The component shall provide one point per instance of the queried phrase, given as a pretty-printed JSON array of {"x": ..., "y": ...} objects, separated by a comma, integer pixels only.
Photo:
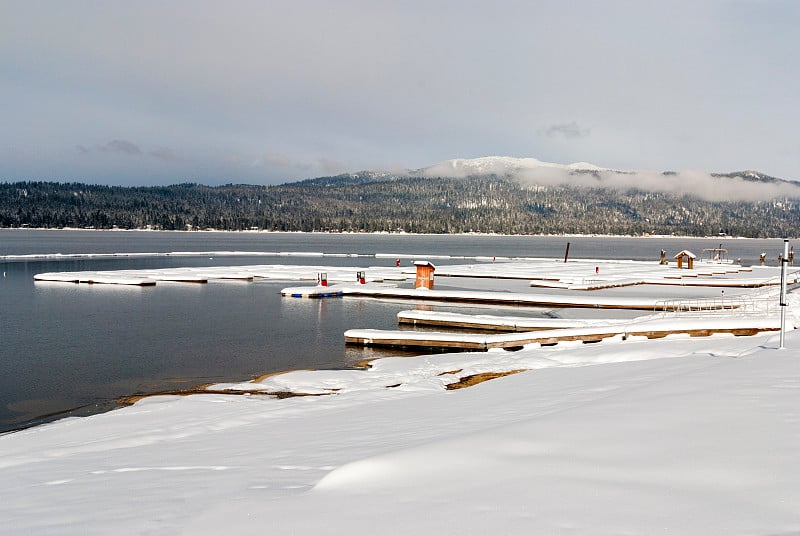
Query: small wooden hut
[
  {"x": 686, "y": 257},
  {"x": 424, "y": 274}
]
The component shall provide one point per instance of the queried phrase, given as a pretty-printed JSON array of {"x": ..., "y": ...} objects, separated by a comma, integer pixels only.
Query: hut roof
[{"x": 686, "y": 253}]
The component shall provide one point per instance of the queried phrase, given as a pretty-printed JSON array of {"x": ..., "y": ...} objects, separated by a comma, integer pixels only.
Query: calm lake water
[{"x": 70, "y": 349}]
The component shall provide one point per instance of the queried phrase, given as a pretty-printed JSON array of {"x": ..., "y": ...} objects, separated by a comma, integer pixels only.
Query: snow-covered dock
[
  {"x": 682, "y": 280},
  {"x": 651, "y": 327},
  {"x": 492, "y": 322},
  {"x": 334, "y": 291},
  {"x": 583, "y": 274},
  {"x": 574, "y": 275},
  {"x": 484, "y": 297},
  {"x": 523, "y": 299},
  {"x": 313, "y": 292},
  {"x": 277, "y": 272},
  {"x": 95, "y": 277}
]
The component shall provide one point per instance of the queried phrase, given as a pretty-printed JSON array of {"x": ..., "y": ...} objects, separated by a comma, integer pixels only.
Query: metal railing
[
  {"x": 744, "y": 305},
  {"x": 764, "y": 302}
]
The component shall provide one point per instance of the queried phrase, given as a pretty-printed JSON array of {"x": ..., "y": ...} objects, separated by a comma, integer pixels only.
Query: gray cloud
[
  {"x": 330, "y": 167},
  {"x": 567, "y": 130},
  {"x": 277, "y": 160},
  {"x": 287, "y": 164},
  {"x": 163, "y": 153},
  {"x": 121, "y": 146},
  {"x": 129, "y": 148}
]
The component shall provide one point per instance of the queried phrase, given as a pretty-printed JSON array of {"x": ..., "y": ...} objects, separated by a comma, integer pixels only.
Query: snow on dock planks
[
  {"x": 95, "y": 278},
  {"x": 651, "y": 328},
  {"x": 511, "y": 298},
  {"x": 221, "y": 273},
  {"x": 313, "y": 292},
  {"x": 676, "y": 281},
  {"x": 333, "y": 291},
  {"x": 493, "y": 322},
  {"x": 385, "y": 291}
]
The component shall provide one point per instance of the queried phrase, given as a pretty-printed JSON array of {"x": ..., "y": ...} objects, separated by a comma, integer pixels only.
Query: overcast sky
[{"x": 160, "y": 92}]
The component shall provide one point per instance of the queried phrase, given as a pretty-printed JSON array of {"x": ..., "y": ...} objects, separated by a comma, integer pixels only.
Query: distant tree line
[{"x": 358, "y": 203}]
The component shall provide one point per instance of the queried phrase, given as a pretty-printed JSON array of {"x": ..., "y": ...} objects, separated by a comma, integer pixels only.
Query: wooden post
[{"x": 566, "y": 253}]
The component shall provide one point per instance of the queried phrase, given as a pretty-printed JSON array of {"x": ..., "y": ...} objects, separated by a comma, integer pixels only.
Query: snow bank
[{"x": 679, "y": 436}]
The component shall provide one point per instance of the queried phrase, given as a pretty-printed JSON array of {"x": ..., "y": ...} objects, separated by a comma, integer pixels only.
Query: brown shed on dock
[
  {"x": 424, "y": 274},
  {"x": 689, "y": 258}
]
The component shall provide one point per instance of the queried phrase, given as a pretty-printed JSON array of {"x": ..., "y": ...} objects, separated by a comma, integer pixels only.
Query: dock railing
[
  {"x": 727, "y": 305},
  {"x": 765, "y": 302}
]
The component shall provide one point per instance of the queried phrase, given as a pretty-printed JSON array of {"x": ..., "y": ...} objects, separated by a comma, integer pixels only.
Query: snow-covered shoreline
[
  {"x": 686, "y": 436},
  {"x": 629, "y": 435}
]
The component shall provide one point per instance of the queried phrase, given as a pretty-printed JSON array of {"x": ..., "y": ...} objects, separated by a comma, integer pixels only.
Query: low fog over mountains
[{"x": 735, "y": 186}]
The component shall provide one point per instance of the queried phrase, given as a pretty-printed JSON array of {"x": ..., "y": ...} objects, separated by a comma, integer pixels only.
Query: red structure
[{"x": 424, "y": 274}]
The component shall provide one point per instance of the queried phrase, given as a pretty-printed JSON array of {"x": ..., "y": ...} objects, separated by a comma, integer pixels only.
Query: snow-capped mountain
[{"x": 498, "y": 165}]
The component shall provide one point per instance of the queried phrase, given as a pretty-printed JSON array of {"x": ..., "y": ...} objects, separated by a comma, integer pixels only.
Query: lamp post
[{"x": 784, "y": 262}]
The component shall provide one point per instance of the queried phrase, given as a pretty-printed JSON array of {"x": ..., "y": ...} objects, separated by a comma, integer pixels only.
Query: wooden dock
[
  {"x": 687, "y": 280},
  {"x": 519, "y": 299},
  {"x": 493, "y": 322},
  {"x": 657, "y": 328},
  {"x": 495, "y": 298},
  {"x": 95, "y": 278}
]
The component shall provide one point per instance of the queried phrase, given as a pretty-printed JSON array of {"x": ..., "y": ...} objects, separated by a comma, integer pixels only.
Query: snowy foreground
[{"x": 671, "y": 436}]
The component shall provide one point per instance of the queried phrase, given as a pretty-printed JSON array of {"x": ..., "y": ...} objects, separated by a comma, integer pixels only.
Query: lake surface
[{"x": 70, "y": 349}]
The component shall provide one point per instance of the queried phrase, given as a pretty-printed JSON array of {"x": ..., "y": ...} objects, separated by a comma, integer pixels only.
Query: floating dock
[
  {"x": 681, "y": 280},
  {"x": 96, "y": 278},
  {"x": 493, "y": 322},
  {"x": 521, "y": 299},
  {"x": 313, "y": 292},
  {"x": 700, "y": 326},
  {"x": 496, "y": 298}
]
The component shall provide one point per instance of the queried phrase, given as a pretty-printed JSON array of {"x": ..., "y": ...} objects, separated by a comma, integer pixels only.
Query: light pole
[{"x": 784, "y": 262}]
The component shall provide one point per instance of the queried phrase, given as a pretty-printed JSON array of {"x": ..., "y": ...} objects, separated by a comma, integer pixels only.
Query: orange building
[{"x": 424, "y": 274}]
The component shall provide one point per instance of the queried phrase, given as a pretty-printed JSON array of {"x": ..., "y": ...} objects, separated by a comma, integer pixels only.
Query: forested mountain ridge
[{"x": 371, "y": 202}]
